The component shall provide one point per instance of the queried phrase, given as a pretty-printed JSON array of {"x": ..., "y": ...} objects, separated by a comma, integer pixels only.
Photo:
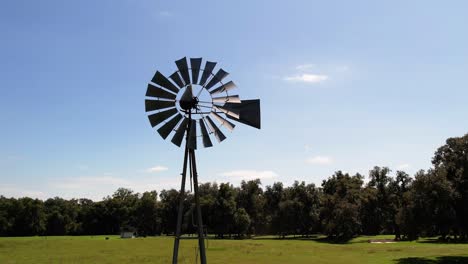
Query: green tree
[
  {"x": 382, "y": 212},
  {"x": 341, "y": 203},
  {"x": 273, "y": 196},
  {"x": 452, "y": 159},
  {"x": 169, "y": 209},
  {"x": 429, "y": 211},
  {"x": 125, "y": 201},
  {"x": 369, "y": 207},
  {"x": 224, "y": 210},
  {"x": 90, "y": 217},
  {"x": 398, "y": 188},
  {"x": 169, "y": 205},
  {"x": 304, "y": 201},
  {"x": 241, "y": 222},
  {"x": 250, "y": 197},
  {"x": 6, "y": 216},
  {"x": 208, "y": 193},
  {"x": 30, "y": 217},
  {"x": 61, "y": 216},
  {"x": 146, "y": 214}
]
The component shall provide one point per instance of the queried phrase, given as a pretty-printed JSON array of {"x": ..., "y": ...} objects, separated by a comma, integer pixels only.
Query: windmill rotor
[
  {"x": 196, "y": 104},
  {"x": 202, "y": 92}
]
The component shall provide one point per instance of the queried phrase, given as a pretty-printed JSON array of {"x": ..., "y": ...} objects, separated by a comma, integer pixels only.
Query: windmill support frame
[{"x": 189, "y": 157}]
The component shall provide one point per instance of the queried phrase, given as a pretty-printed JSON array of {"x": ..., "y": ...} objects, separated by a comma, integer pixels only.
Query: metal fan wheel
[{"x": 197, "y": 93}]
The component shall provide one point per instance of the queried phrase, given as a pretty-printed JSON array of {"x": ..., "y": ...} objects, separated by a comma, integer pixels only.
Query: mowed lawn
[{"x": 96, "y": 249}]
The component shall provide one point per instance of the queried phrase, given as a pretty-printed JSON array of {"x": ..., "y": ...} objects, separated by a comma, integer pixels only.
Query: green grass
[{"x": 95, "y": 249}]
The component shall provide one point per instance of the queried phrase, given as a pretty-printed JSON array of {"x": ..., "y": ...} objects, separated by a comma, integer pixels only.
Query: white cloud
[
  {"x": 91, "y": 187},
  {"x": 165, "y": 13},
  {"x": 305, "y": 67},
  {"x": 307, "y": 78},
  {"x": 157, "y": 169},
  {"x": 250, "y": 174},
  {"x": 320, "y": 160},
  {"x": 16, "y": 192},
  {"x": 403, "y": 166},
  {"x": 97, "y": 187},
  {"x": 91, "y": 182}
]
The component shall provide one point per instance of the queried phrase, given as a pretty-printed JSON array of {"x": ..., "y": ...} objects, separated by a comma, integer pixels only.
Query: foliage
[
  {"x": 433, "y": 203},
  {"x": 341, "y": 203},
  {"x": 451, "y": 159}
]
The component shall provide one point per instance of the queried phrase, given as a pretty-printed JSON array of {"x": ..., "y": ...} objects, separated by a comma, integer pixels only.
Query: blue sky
[{"x": 344, "y": 85}]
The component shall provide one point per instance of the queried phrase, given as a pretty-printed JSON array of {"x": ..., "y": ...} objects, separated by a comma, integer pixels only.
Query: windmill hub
[
  {"x": 194, "y": 99},
  {"x": 189, "y": 105}
]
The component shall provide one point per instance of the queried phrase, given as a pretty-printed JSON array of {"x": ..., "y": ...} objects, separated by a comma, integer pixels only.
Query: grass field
[{"x": 97, "y": 249}]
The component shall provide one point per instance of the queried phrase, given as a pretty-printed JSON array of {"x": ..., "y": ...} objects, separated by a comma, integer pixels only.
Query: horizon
[{"x": 345, "y": 86}]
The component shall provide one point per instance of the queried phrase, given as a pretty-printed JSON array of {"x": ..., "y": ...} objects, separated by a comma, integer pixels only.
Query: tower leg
[
  {"x": 201, "y": 242},
  {"x": 181, "y": 209}
]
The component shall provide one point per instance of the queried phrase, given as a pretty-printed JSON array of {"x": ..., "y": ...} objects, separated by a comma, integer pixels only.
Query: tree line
[{"x": 432, "y": 203}]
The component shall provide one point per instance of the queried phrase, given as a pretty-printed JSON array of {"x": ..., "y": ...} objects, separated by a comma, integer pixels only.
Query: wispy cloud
[
  {"x": 320, "y": 160},
  {"x": 97, "y": 187},
  {"x": 305, "y": 67},
  {"x": 91, "y": 182},
  {"x": 307, "y": 78},
  {"x": 9, "y": 190},
  {"x": 156, "y": 169},
  {"x": 250, "y": 174},
  {"x": 309, "y": 73}
]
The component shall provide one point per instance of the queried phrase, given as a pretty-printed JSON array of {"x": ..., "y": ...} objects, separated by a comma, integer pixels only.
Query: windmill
[{"x": 186, "y": 103}]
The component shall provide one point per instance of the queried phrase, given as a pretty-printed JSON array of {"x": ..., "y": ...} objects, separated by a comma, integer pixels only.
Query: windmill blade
[
  {"x": 151, "y": 105},
  {"x": 192, "y": 138},
  {"x": 223, "y": 121},
  {"x": 167, "y": 128},
  {"x": 219, "y": 76},
  {"x": 176, "y": 78},
  {"x": 223, "y": 88},
  {"x": 229, "y": 111},
  {"x": 161, "y": 80},
  {"x": 218, "y": 134},
  {"x": 183, "y": 69},
  {"x": 227, "y": 99},
  {"x": 179, "y": 135},
  {"x": 207, "y": 71},
  {"x": 195, "y": 64},
  {"x": 154, "y": 91},
  {"x": 156, "y": 119},
  {"x": 205, "y": 136},
  {"x": 249, "y": 112}
]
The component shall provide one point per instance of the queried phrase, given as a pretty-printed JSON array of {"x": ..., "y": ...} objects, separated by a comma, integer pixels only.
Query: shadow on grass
[
  {"x": 328, "y": 240},
  {"x": 440, "y": 241},
  {"x": 438, "y": 260},
  {"x": 316, "y": 238},
  {"x": 312, "y": 237}
]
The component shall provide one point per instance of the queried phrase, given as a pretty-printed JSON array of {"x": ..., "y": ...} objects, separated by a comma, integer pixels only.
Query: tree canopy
[{"x": 433, "y": 202}]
